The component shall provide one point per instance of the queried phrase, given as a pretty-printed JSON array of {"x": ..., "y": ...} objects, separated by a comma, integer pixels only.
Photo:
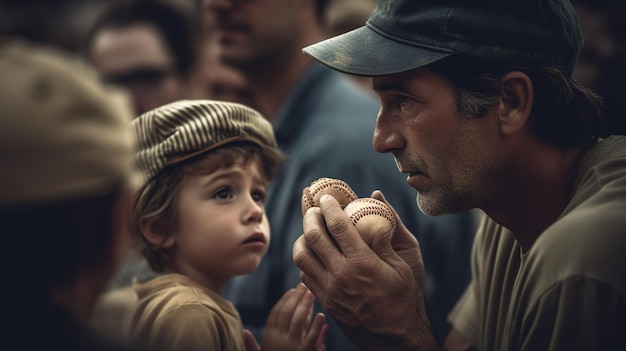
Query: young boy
[{"x": 199, "y": 219}]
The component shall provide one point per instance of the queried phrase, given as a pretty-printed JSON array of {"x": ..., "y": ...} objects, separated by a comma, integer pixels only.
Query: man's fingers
[
  {"x": 342, "y": 231},
  {"x": 308, "y": 262},
  {"x": 317, "y": 240}
]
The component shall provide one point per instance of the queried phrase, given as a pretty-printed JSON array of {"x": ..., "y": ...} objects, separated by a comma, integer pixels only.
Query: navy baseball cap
[{"x": 401, "y": 35}]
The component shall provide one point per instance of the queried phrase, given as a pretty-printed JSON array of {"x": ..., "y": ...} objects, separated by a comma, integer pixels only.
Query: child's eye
[
  {"x": 258, "y": 196},
  {"x": 223, "y": 194}
]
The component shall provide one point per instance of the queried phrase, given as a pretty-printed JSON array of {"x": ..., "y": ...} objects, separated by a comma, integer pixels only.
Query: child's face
[{"x": 222, "y": 229}]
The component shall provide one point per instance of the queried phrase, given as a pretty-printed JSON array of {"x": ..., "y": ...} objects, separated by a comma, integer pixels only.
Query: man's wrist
[{"x": 421, "y": 340}]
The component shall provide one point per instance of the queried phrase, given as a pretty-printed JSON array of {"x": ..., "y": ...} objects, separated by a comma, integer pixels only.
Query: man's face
[
  {"x": 452, "y": 161},
  {"x": 250, "y": 32},
  {"x": 137, "y": 58}
]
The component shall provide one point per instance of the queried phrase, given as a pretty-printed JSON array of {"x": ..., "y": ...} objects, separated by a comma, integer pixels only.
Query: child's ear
[
  {"x": 516, "y": 103},
  {"x": 156, "y": 235}
]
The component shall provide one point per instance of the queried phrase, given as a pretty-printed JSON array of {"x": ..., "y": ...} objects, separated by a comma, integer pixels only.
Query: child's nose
[{"x": 254, "y": 210}]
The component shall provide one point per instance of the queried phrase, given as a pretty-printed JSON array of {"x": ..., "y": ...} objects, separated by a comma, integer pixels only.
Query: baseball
[
  {"x": 369, "y": 216},
  {"x": 337, "y": 188}
]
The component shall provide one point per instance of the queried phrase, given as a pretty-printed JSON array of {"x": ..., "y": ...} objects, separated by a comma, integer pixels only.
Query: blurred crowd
[
  {"x": 601, "y": 64},
  {"x": 171, "y": 53}
]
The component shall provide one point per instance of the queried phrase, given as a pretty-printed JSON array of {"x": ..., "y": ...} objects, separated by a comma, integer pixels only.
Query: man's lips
[
  {"x": 417, "y": 180},
  {"x": 411, "y": 172}
]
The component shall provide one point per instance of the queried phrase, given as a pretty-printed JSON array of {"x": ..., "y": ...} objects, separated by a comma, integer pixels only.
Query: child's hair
[
  {"x": 156, "y": 201},
  {"x": 192, "y": 137}
]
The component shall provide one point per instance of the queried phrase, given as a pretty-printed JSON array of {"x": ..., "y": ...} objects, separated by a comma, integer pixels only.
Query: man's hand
[{"x": 375, "y": 294}]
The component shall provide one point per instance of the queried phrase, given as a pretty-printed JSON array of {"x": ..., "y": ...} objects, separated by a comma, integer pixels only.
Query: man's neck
[{"x": 544, "y": 188}]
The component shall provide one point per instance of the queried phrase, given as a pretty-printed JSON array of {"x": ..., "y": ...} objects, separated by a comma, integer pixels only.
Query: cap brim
[{"x": 365, "y": 52}]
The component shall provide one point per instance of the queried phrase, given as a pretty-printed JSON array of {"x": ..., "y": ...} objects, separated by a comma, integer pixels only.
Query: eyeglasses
[{"x": 141, "y": 76}]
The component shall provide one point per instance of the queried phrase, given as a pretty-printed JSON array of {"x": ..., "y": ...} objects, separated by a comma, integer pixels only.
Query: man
[
  {"x": 66, "y": 156},
  {"x": 323, "y": 123},
  {"x": 480, "y": 110},
  {"x": 148, "y": 47}
]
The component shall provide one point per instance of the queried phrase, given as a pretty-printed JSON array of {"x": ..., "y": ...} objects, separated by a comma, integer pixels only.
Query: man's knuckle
[
  {"x": 342, "y": 277},
  {"x": 312, "y": 237},
  {"x": 299, "y": 258},
  {"x": 337, "y": 225}
]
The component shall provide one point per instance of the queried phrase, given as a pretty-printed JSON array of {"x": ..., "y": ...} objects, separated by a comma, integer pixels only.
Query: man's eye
[
  {"x": 405, "y": 104},
  {"x": 402, "y": 101}
]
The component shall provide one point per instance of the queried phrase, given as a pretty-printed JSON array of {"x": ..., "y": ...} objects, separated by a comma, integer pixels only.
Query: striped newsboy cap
[{"x": 180, "y": 130}]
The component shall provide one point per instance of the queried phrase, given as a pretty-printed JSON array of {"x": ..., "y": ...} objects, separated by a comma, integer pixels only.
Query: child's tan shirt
[{"x": 176, "y": 313}]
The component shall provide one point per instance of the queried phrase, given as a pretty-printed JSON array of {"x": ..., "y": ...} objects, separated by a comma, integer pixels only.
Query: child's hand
[
  {"x": 249, "y": 341},
  {"x": 289, "y": 324}
]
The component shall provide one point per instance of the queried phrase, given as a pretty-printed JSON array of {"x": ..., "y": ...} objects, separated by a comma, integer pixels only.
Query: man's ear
[
  {"x": 516, "y": 103},
  {"x": 156, "y": 234}
]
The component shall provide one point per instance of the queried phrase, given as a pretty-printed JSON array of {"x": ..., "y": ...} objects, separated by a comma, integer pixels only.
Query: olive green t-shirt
[
  {"x": 568, "y": 291},
  {"x": 176, "y": 313}
]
